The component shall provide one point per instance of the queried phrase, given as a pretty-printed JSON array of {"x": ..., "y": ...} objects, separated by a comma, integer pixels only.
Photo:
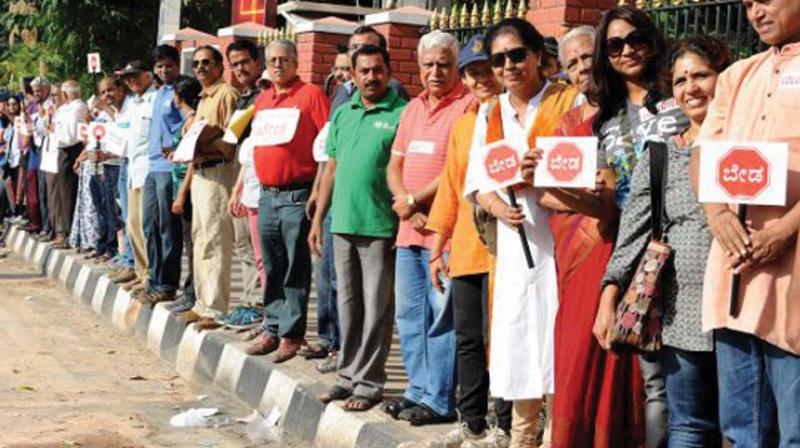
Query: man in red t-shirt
[{"x": 288, "y": 117}]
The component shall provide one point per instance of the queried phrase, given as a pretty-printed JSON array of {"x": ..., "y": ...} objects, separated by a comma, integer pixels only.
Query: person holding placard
[
  {"x": 758, "y": 339},
  {"x": 595, "y": 404},
  {"x": 243, "y": 57},
  {"x": 628, "y": 89},
  {"x": 68, "y": 117},
  {"x": 525, "y": 298},
  {"x": 364, "y": 225},
  {"x": 212, "y": 182},
  {"x": 288, "y": 116},
  {"x": 687, "y": 354},
  {"x": 41, "y": 120}
]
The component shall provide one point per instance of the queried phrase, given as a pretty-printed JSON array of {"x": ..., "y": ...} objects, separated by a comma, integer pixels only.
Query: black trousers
[
  {"x": 470, "y": 307},
  {"x": 65, "y": 189}
]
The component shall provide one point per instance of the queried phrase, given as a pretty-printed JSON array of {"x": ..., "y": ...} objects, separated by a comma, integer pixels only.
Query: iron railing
[{"x": 725, "y": 19}]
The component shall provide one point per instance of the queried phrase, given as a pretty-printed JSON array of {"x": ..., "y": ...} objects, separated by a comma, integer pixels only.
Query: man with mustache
[
  {"x": 212, "y": 182},
  {"x": 288, "y": 116},
  {"x": 418, "y": 159},
  {"x": 354, "y": 185}
]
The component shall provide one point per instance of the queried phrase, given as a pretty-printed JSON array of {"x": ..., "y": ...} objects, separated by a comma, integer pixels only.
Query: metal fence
[{"x": 725, "y": 19}]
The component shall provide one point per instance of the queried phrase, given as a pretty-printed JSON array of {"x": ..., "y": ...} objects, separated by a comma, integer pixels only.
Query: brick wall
[
  {"x": 402, "y": 41},
  {"x": 555, "y": 17},
  {"x": 316, "y": 54}
]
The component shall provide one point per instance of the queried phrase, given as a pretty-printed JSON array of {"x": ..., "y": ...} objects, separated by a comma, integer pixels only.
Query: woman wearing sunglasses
[
  {"x": 629, "y": 85},
  {"x": 687, "y": 356},
  {"x": 524, "y": 299}
]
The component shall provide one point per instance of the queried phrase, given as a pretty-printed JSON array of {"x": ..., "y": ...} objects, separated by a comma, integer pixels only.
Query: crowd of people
[{"x": 384, "y": 190}]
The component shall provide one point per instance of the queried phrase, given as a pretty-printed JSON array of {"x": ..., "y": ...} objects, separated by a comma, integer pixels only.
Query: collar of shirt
[
  {"x": 247, "y": 97},
  {"x": 294, "y": 86},
  {"x": 458, "y": 92},
  {"x": 385, "y": 103},
  {"x": 349, "y": 87},
  {"x": 136, "y": 98},
  {"x": 792, "y": 49},
  {"x": 530, "y": 113},
  {"x": 214, "y": 88}
]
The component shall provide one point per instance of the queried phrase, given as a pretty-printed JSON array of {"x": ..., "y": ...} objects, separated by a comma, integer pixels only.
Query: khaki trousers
[
  {"x": 136, "y": 232},
  {"x": 212, "y": 233},
  {"x": 523, "y": 423},
  {"x": 243, "y": 248}
]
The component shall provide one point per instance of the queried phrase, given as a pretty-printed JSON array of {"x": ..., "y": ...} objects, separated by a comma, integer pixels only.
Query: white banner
[{"x": 743, "y": 173}]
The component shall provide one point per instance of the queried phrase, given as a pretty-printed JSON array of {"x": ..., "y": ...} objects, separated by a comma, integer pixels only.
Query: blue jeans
[
  {"x": 283, "y": 228},
  {"x": 122, "y": 190},
  {"x": 759, "y": 388},
  {"x": 163, "y": 233},
  {"x": 429, "y": 360},
  {"x": 656, "y": 410},
  {"x": 104, "y": 196},
  {"x": 691, "y": 379},
  {"x": 325, "y": 275}
]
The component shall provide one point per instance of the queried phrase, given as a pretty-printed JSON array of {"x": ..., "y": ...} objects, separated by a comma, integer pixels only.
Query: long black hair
[
  {"x": 608, "y": 89},
  {"x": 188, "y": 90}
]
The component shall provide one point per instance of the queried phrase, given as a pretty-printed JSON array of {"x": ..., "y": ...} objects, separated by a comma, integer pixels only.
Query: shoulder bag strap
[{"x": 658, "y": 181}]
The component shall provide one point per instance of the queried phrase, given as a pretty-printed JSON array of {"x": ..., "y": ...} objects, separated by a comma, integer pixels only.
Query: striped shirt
[{"x": 421, "y": 140}]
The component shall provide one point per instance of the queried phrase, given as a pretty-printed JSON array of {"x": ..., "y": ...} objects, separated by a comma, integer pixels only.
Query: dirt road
[{"x": 68, "y": 379}]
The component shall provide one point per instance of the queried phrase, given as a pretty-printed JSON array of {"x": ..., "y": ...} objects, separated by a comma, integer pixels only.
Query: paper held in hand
[
  {"x": 272, "y": 127},
  {"x": 49, "y": 163},
  {"x": 496, "y": 166},
  {"x": 185, "y": 150},
  {"x": 567, "y": 162},
  {"x": 238, "y": 124},
  {"x": 743, "y": 173},
  {"x": 115, "y": 141}
]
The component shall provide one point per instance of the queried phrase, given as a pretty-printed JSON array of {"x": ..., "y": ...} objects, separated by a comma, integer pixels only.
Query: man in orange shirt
[{"x": 757, "y": 100}]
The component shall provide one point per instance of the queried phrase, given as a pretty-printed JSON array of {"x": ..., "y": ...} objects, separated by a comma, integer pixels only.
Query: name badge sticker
[
  {"x": 421, "y": 147},
  {"x": 789, "y": 81}
]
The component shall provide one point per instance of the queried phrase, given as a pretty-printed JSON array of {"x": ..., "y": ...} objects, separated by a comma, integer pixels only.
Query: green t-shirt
[{"x": 360, "y": 140}]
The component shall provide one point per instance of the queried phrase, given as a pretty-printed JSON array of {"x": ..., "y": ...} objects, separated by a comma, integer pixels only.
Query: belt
[
  {"x": 287, "y": 187},
  {"x": 208, "y": 164}
]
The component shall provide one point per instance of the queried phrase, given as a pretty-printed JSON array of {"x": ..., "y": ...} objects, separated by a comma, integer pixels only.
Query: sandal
[
  {"x": 395, "y": 407},
  {"x": 335, "y": 393},
  {"x": 358, "y": 403}
]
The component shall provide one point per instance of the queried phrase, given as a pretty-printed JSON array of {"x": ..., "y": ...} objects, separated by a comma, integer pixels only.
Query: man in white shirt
[
  {"x": 135, "y": 116},
  {"x": 46, "y": 106},
  {"x": 68, "y": 116}
]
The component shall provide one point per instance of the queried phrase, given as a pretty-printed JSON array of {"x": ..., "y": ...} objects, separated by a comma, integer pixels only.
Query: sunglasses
[
  {"x": 516, "y": 56},
  {"x": 636, "y": 39},
  {"x": 198, "y": 62}
]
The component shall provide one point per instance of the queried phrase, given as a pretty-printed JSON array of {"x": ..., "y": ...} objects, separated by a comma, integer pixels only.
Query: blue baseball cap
[{"x": 473, "y": 51}]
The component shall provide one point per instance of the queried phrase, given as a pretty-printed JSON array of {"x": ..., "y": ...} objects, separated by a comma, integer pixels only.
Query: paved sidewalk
[{"x": 218, "y": 357}]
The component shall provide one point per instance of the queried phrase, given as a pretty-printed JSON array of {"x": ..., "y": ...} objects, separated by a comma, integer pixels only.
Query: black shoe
[
  {"x": 395, "y": 407},
  {"x": 423, "y": 415}
]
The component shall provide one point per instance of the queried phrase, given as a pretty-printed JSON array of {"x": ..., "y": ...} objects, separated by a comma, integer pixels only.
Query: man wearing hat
[{"x": 135, "y": 116}]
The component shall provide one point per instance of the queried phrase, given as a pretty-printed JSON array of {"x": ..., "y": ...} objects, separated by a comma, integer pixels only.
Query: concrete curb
[{"x": 215, "y": 357}]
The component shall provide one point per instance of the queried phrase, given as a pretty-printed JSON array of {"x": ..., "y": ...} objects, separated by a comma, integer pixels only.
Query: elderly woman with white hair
[{"x": 427, "y": 337}]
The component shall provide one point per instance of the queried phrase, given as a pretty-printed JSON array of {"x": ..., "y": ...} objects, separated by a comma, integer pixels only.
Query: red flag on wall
[{"x": 251, "y": 11}]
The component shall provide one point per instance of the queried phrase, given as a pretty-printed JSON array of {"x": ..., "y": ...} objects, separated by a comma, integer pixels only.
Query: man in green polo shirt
[{"x": 364, "y": 225}]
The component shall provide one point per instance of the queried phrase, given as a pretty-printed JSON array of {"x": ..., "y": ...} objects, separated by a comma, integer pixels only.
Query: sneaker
[
  {"x": 458, "y": 437},
  {"x": 495, "y": 438},
  {"x": 181, "y": 306},
  {"x": 329, "y": 365},
  {"x": 242, "y": 317}
]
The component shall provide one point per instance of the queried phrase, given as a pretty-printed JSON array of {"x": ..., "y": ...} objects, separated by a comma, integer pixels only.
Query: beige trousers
[
  {"x": 243, "y": 248},
  {"x": 523, "y": 423},
  {"x": 212, "y": 231},
  {"x": 135, "y": 231}
]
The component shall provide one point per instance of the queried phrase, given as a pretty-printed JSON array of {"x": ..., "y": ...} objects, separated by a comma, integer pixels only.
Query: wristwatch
[{"x": 410, "y": 200}]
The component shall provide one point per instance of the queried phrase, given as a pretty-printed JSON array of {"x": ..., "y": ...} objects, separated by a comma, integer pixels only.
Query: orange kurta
[{"x": 758, "y": 100}]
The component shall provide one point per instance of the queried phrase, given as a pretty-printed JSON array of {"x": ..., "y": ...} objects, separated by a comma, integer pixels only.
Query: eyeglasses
[
  {"x": 516, "y": 56},
  {"x": 273, "y": 62},
  {"x": 198, "y": 62},
  {"x": 636, "y": 39}
]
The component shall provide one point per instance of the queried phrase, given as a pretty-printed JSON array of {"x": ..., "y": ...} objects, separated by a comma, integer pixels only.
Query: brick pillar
[
  {"x": 402, "y": 27},
  {"x": 316, "y": 46},
  {"x": 555, "y": 17}
]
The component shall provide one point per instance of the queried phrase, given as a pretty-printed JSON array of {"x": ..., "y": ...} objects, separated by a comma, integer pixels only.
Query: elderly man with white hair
[
  {"x": 67, "y": 118},
  {"x": 416, "y": 165}
]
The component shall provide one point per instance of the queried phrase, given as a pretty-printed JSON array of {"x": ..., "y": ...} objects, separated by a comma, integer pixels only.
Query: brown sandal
[{"x": 335, "y": 393}]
